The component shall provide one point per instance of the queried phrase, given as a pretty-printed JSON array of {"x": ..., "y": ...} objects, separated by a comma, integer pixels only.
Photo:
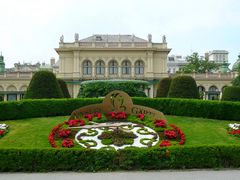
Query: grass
[{"x": 33, "y": 133}]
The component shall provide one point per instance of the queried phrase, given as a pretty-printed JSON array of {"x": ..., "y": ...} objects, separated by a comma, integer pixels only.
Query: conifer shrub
[
  {"x": 43, "y": 85},
  {"x": 163, "y": 87},
  {"x": 64, "y": 88},
  {"x": 183, "y": 87},
  {"x": 231, "y": 93}
]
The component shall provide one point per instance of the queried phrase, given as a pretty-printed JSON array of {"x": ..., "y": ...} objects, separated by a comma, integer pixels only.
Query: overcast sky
[{"x": 30, "y": 30}]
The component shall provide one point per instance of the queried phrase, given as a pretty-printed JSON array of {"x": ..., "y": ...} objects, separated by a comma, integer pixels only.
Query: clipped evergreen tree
[
  {"x": 183, "y": 87},
  {"x": 64, "y": 88},
  {"x": 231, "y": 93},
  {"x": 163, "y": 87},
  {"x": 43, "y": 85}
]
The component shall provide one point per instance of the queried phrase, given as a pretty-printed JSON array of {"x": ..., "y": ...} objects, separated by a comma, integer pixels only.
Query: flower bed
[
  {"x": 3, "y": 130},
  {"x": 234, "y": 129},
  {"x": 115, "y": 130}
]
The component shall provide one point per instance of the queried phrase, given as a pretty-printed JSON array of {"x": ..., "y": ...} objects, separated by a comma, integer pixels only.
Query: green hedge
[
  {"x": 231, "y": 93},
  {"x": 38, "y": 160},
  {"x": 180, "y": 107}
]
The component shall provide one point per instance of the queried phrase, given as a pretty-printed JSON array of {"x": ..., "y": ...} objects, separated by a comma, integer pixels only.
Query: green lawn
[{"x": 34, "y": 132}]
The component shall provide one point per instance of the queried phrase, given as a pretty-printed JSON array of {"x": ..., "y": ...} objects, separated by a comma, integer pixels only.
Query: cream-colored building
[{"x": 112, "y": 57}]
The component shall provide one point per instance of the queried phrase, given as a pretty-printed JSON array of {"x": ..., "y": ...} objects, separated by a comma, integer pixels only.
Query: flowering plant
[
  {"x": 234, "y": 129},
  {"x": 2, "y": 132},
  {"x": 3, "y": 129},
  {"x": 63, "y": 133},
  {"x": 141, "y": 116},
  {"x": 67, "y": 143},
  {"x": 171, "y": 134},
  {"x": 160, "y": 123},
  {"x": 180, "y": 134},
  {"x": 117, "y": 115},
  {"x": 75, "y": 122},
  {"x": 165, "y": 143}
]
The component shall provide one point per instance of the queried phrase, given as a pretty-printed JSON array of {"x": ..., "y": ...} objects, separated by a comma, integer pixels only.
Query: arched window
[
  {"x": 213, "y": 89},
  {"x": 87, "y": 67},
  {"x": 113, "y": 67},
  {"x": 201, "y": 89},
  {"x": 139, "y": 67},
  {"x": 126, "y": 67},
  {"x": 100, "y": 67}
]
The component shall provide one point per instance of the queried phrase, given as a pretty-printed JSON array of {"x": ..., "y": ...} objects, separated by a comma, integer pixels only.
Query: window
[
  {"x": 12, "y": 97},
  {"x": 113, "y": 67},
  {"x": 126, "y": 67},
  {"x": 139, "y": 67},
  {"x": 100, "y": 67},
  {"x": 87, "y": 67}
]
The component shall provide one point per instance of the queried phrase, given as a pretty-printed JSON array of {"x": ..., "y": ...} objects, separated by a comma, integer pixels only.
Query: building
[
  {"x": 2, "y": 64},
  {"x": 175, "y": 63},
  {"x": 112, "y": 57},
  {"x": 218, "y": 56}
]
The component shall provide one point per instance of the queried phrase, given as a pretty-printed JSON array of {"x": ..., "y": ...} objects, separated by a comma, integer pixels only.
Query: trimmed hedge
[
  {"x": 64, "y": 88},
  {"x": 231, "y": 93},
  {"x": 38, "y": 160},
  {"x": 163, "y": 87}
]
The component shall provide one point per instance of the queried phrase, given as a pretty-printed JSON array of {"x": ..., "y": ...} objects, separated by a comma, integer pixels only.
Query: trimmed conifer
[
  {"x": 64, "y": 88},
  {"x": 163, "y": 87}
]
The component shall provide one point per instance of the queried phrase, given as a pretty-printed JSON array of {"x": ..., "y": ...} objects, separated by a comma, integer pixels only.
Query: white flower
[
  {"x": 234, "y": 126},
  {"x": 3, "y": 126}
]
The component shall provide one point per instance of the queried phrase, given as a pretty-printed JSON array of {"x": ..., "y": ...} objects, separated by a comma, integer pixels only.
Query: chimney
[{"x": 52, "y": 61}]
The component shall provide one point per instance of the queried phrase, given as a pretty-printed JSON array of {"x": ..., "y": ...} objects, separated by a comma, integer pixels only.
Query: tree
[
  {"x": 163, "y": 87},
  {"x": 64, "y": 88},
  {"x": 231, "y": 93},
  {"x": 43, "y": 85},
  {"x": 183, "y": 87},
  {"x": 236, "y": 81},
  {"x": 198, "y": 64}
]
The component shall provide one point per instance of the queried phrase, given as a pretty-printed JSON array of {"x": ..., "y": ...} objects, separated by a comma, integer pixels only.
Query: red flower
[
  {"x": 165, "y": 143},
  {"x": 67, "y": 143},
  {"x": 170, "y": 134},
  {"x": 141, "y": 116},
  {"x": 88, "y": 116},
  {"x": 98, "y": 115},
  {"x": 118, "y": 115},
  {"x": 2, "y": 132},
  {"x": 160, "y": 123},
  {"x": 234, "y": 132},
  {"x": 112, "y": 114},
  {"x": 75, "y": 122},
  {"x": 180, "y": 133},
  {"x": 63, "y": 133}
]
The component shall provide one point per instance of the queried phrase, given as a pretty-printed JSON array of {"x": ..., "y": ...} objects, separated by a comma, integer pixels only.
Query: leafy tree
[
  {"x": 198, "y": 64},
  {"x": 64, "y": 88},
  {"x": 43, "y": 85},
  {"x": 163, "y": 87},
  {"x": 183, "y": 87},
  {"x": 100, "y": 88},
  {"x": 236, "y": 81},
  {"x": 231, "y": 93}
]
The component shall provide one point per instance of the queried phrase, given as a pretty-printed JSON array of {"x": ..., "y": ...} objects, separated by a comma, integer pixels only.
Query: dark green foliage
[
  {"x": 163, "y": 87},
  {"x": 236, "y": 81},
  {"x": 183, "y": 87},
  {"x": 64, "y": 88},
  {"x": 231, "y": 93},
  {"x": 101, "y": 88},
  {"x": 43, "y": 85},
  {"x": 221, "y": 110},
  {"x": 186, "y": 157}
]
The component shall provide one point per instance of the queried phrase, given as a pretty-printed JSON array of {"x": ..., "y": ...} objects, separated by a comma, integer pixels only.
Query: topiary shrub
[
  {"x": 163, "y": 87},
  {"x": 183, "y": 87},
  {"x": 64, "y": 88},
  {"x": 231, "y": 93},
  {"x": 236, "y": 81},
  {"x": 100, "y": 88},
  {"x": 43, "y": 85}
]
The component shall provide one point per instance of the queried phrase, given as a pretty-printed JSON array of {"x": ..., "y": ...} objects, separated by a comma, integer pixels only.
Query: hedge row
[
  {"x": 181, "y": 107},
  {"x": 37, "y": 160}
]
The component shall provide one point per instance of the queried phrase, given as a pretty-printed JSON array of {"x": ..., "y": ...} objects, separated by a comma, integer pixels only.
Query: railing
[{"x": 16, "y": 75}]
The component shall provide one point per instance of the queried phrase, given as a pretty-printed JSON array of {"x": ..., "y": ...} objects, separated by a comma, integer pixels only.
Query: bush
[
  {"x": 100, "y": 88},
  {"x": 163, "y": 87},
  {"x": 231, "y": 93},
  {"x": 183, "y": 87},
  {"x": 43, "y": 85},
  {"x": 186, "y": 157},
  {"x": 236, "y": 81},
  {"x": 64, "y": 88},
  {"x": 221, "y": 110}
]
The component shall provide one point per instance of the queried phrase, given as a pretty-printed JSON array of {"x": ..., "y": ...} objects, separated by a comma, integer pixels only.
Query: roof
[{"x": 113, "y": 38}]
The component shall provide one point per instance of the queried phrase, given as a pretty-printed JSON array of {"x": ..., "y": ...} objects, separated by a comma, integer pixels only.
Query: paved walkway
[{"x": 133, "y": 175}]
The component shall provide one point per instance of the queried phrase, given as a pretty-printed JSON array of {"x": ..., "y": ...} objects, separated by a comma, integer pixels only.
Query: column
[
  {"x": 132, "y": 71},
  {"x": 5, "y": 97},
  {"x": 106, "y": 71}
]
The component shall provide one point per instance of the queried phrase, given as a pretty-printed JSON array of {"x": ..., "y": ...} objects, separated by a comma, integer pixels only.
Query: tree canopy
[{"x": 198, "y": 64}]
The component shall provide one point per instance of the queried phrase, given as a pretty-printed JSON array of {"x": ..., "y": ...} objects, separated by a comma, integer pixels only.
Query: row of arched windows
[{"x": 112, "y": 67}]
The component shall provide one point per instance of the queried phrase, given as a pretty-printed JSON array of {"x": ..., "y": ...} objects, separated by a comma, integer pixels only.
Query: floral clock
[{"x": 3, "y": 130}]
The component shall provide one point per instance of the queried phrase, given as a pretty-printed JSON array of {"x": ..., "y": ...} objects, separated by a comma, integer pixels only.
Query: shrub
[
  {"x": 163, "y": 87},
  {"x": 100, "y": 88},
  {"x": 236, "y": 81},
  {"x": 186, "y": 157},
  {"x": 231, "y": 93},
  {"x": 43, "y": 85},
  {"x": 183, "y": 87},
  {"x": 64, "y": 88}
]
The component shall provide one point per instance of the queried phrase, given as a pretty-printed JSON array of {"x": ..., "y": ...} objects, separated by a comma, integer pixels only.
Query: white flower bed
[
  {"x": 3, "y": 126},
  {"x": 234, "y": 126}
]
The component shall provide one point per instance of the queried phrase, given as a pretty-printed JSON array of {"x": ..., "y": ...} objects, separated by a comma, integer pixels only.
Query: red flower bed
[
  {"x": 63, "y": 133},
  {"x": 75, "y": 122},
  {"x": 235, "y": 132},
  {"x": 160, "y": 123},
  {"x": 67, "y": 143},
  {"x": 89, "y": 116},
  {"x": 141, "y": 116},
  {"x": 165, "y": 143},
  {"x": 180, "y": 133},
  {"x": 171, "y": 134},
  {"x": 2, "y": 132},
  {"x": 118, "y": 115},
  {"x": 98, "y": 115}
]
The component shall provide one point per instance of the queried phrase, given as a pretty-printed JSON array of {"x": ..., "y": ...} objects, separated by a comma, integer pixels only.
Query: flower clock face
[
  {"x": 234, "y": 129},
  {"x": 3, "y": 130},
  {"x": 115, "y": 131}
]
